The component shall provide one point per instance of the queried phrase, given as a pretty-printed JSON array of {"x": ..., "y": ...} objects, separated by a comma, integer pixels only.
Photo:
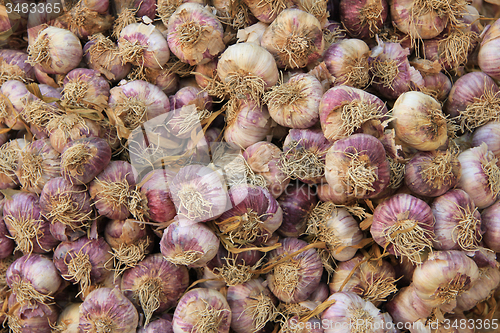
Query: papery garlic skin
[
  {"x": 151, "y": 48},
  {"x": 347, "y": 61},
  {"x": 247, "y": 123},
  {"x": 352, "y": 311},
  {"x": 420, "y": 122},
  {"x": 135, "y": 103},
  {"x": 55, "y": 51},
  {"x": 258, "y": 210},
  {"x": 247, "y": 59},
  {"x": 432, "y": 173},
  {"x": 357, "y": 152},
  {"x": 337, "y": 228},
  {"x": 489, "y": 134},
  {"x": 107, "y": 308},
  {"x": 154, "y": 280},
  {"x": 195, "y": 34},
  {"x": 297, "y": 202},
  {"x": 252, "y": 306},
  {"x": 263, "y": 159},
  {"x": 193, "y": 245},
  {"x": 295, "y": 39},
  {"x": 474, "y": 97},
  {"x": 199, "y": 194},
  {"x": 69, "y": 319},
  {"x": 199, "y": 309},
  {"x": 457, "y": 222},
  {"x": 407, "y": 307},
  {"x": 426, "y": 25},
  {"x": 363, "y": 19},
  {"x": 33, "y": 278},
  {"x": 404, "y": 225},
  {"x": 480, "y": 175},
  {"x": 344, "y": 110},
  {"x": 296, "y": 279},
  {"x": 490, "y": 218},
  {"x": 268, "y": 11},
  {"x": 488, "y": 51},
  {"x": 443, "y": 277},
  {"x": 295, "y": 104}
]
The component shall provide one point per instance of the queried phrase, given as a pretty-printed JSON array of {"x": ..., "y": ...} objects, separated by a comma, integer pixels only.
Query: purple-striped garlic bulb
[
  {"x": 134, "y": 103},
  {"x": 159, "y": 200},
  {"x": 111, "y": 189},
  {"x": 297, "y": 202},
  {"x": 443, "y": 277},
  {"x": 294, "y": 280},
  {"x": 155, "y": 285},
  {"x": 83, "y": 159},
  {"x": 199, "y": 194},
  {"x": 195, "y": 35},
  {"x": 357, "y": 166},
  {"x": 38, "y": 163},
  {"x": 363, "y": 19},
  {"x": 130, "y": 242},
  {"x": 304, "y": 153},
  {"x": 67, "y": 207},
  {"x": 193, "y": 245},
  {"x": 337, "y": 228},
  {"x": 294, "y": 38},
  {"x": 457, "y": 222},
  {"x": 26, "y": 225},
  {"x": 202, "y": 310},
  {"x": 85, "y": 88},
  {"x": 345, "y": 110},
  {"x": 84, "y": 261},
  {"x": 66, "y": 128},
  {"x": 295, "y": 103},
  {"x": 33, "y": 279},
  {"x": 404, "y": 225},
  {"x": 108, "y": 310},
  {"x": 253, "y": 306},
  {"x": 255, "y": 215}
]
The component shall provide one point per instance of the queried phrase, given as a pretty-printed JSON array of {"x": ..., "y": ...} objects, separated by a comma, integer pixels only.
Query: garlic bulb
[
  {"x": 487, "y": 282},
  {"x": 294, "y": 38},
  {"x": 363, "y": 19},
  {"x": 443, "y": 277},
  {"x": 195, "y": 34},
  {"x": 407, "y": 307},
  {"x": 337, "y": 228},
  {"x": 304, "y": 153},
  {"x": 344, "y": 110},
  {"x": 294, "y": 280},
  {"x": 295, "y": 103},
  {"x": 247, "y": 70},
  {"x": 202, "y": 310},
  {"x": 369, "y": 280},
  {"x": 347, "y": 61},
  {"x": 350, "y": 310},
  {"x": 199, "y": 194},
  {"x": 480, "y": 175},
  {"x": 404, "y": 225},
  {"x": 420, "y": 122},
  {"x": 458, "y": 223},
  {"x": 358, "y": 166}
]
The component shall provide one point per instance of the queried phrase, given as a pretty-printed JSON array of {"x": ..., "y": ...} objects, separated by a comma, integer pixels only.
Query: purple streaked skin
[
  {"x": 60, "y": 189},
  {"x": 101, "y": 156},
  {"x": 156, "y": 190},
  {"x": 97, "y": 85},
  {"x": 116, "y": 171},
  {"x": 97, "y": 250},
  {"x": 310, "y": 269},
  {"x": 395, "y": 209},
  {"x": 296, "y": 202},
  {"x": 159, "y": 325},
  {"x": 174, "y": 280},
  {"x": 114, "y": 70},
  {"x": 108, "y": 305},
  {"x": 26, "y": 206},
  {"x": 36, "y": 270},
  {"x": 196, "y": 237},
  {"x": 196, "y": 300}
]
